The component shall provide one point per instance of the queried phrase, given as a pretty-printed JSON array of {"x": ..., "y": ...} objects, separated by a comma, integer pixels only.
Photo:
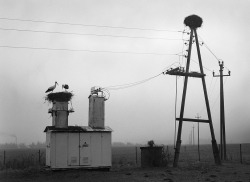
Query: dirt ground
[{"x": 185, "y": 172}]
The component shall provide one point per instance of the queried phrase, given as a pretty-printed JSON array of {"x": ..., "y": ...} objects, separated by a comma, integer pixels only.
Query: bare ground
[{"x": 229, "y": 171}]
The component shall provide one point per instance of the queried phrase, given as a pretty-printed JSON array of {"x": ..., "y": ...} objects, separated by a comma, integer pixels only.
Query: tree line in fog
[{"x": 22, "y": 145}]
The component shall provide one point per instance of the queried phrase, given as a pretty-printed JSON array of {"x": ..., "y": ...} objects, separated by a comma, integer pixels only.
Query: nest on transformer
[
  {"x": 193, "y": 21},
  {"x": 59, "y": 97}
]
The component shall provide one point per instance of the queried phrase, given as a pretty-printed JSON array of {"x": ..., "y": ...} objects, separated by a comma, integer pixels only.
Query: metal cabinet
[{"x": 78, "y": 149}]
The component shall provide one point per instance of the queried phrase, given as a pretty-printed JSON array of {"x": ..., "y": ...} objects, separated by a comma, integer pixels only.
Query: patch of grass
[{"x": 23, "y": 159}]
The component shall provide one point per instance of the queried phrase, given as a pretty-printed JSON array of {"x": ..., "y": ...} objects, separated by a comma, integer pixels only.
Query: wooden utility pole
[
  {"x": 223, "y": 150},
  {"x": 198, "y": 117},
  {"x": 193, "y": 22},
  {"x": 190, "y": 140},
  {"x": 193, "y": 136}
]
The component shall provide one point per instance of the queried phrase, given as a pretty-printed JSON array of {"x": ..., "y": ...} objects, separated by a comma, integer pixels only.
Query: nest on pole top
[{"x": 193, "y": 21}]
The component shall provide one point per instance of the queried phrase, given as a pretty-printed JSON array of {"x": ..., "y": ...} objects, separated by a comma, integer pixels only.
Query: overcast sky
[{"x": 139, "y": 113}]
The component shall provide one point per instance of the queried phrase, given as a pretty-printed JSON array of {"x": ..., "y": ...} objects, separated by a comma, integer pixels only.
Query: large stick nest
[
  {"x": 193, "y": 21},
  {"x": 59, "y": 97}
]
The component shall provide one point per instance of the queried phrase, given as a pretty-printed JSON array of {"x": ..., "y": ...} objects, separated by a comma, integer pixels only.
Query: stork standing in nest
[
  {"x": 65, "y": 86},
  {"x": 50, "y": 89}
]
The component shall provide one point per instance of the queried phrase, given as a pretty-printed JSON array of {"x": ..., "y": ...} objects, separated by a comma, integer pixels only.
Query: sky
[{"x": 115, "y": 42}]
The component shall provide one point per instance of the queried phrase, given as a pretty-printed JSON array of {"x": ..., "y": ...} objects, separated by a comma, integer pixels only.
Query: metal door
[
  {"x": 48, "y": 148},
  {"x": 73, "y": 147},
  {"x": 61, "y": 150},
  {"x": 85, "y": 152},
  {"x": 106, "y": 149}
]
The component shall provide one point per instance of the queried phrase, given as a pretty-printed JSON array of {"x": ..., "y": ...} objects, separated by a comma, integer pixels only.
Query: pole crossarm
[
  {"x": 229, "y": 74},
  {"x": 221, "y": 64},
  {"x": 194, "y": 120},
  {"x": 179, "y": 71}
]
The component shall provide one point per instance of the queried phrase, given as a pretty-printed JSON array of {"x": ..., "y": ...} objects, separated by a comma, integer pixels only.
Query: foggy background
[{"x": 115, "y": 42}]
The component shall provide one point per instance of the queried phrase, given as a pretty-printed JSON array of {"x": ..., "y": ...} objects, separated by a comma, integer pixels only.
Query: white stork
[
  {"x": 50, "y": 89},
  {"x": 65, "y": 86}
]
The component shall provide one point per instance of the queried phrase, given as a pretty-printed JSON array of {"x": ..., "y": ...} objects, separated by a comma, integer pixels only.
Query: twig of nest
[
  {"x": 193, "y": 21},
  {"x": 59, "y": 97}
]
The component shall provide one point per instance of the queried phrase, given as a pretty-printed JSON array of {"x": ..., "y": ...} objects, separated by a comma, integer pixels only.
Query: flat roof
[{"x": 78, "y": 129}]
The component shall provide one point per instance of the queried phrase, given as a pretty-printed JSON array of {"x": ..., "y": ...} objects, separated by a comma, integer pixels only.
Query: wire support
[
  {"x": 87, "y": 25},
  {"x": 86, "y": 50},
  {"x": 85, "y": 34}
]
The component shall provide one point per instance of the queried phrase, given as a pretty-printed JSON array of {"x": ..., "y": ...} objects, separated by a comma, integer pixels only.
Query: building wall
[{"x": 96, "y": 111}]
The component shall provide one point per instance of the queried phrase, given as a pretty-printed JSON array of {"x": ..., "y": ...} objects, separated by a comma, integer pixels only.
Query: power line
[
  {"x": 217, "y": 98},
  {"x": 85, "y": 34},
  {"x": 209, "y": 49},
  {"x": 214, "y": 55},
  {"x": 85, "y": 50},
  {"x": 123, "y": 86},
  {"x": 128, "y": 85},
  {"x": 202, "y": 66},
  {"x": 212, "y": 52},
  {"x": 86, "y": 25},
  {"x": 210, "y": 91}
]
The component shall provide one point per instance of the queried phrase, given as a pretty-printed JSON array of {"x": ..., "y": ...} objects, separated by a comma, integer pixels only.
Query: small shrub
[{"x": 151, "y": 143}]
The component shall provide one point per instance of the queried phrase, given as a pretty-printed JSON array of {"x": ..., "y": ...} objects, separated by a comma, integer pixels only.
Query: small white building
[{"x": 79, "y": 146}]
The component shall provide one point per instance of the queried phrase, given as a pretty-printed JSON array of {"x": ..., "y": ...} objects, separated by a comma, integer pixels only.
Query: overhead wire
[
  {"x": 210, "y": 91},
  {"x": 216, "y": 100},
  {"x": 211, "y": 52},
  {"x": 218, "y": 95},
  {"x": 206, "y": 46},
  {"x": 85, "y": 25},
  {"x": 128, "y": 85},
  {"x": 86, "y": 50},
  {"x": 84, "y": 34},
  {"x": 202, "y": 65}
]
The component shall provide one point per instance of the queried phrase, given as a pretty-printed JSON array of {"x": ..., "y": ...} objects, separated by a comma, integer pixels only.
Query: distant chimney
[{"x": 96, "y": 108}]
